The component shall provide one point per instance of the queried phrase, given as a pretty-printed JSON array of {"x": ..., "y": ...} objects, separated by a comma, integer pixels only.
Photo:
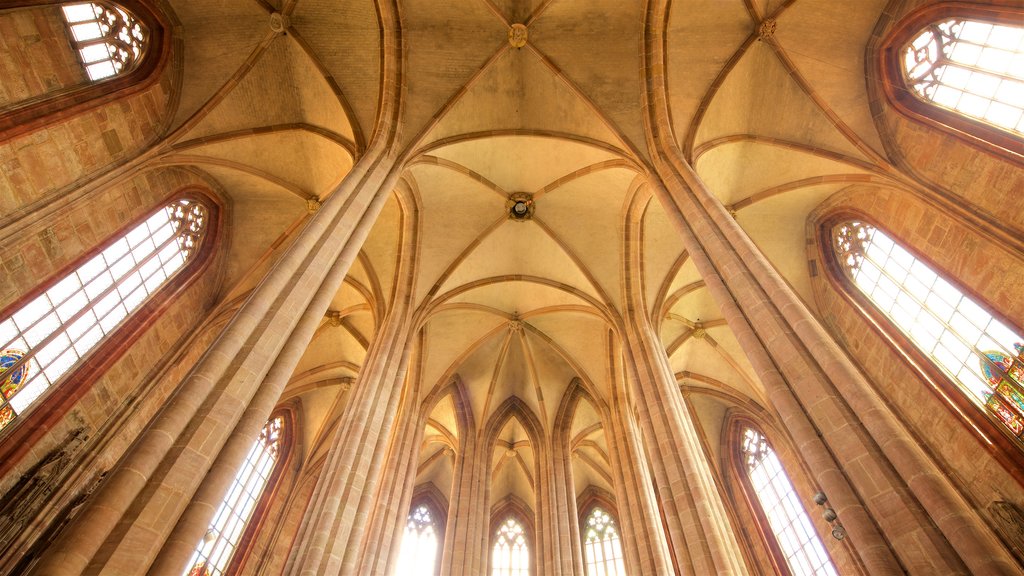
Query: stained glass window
[
  {"x": 796, "y": 537},
  {"x": 213, "y": 554},
  {"x": 602, "y": 548},
  {"x": 975, "y": 68},
  {"x": 418, "y": 554},
  {"x": 45, "y": 338},
  {"x": 511, "y": 553},
  {"x": 109, "y": 39},
  {"x": 981, "y": 355}
]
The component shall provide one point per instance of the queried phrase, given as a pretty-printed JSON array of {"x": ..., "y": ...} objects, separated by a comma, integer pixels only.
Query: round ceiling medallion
[
  {"x": 517, "y": 35},
  {"x": 520, "y": 206}
]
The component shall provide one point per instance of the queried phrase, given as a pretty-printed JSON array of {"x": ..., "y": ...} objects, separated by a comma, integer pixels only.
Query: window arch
[
  {"x": 958, "y": 67},
  {"x": 44, "y": 337},
  {"x": 510, "y": 553},
  {"x": 120, "y": 47},
  {"x": 239, "y": 513},
  {"x": 602, "y": 547},
  {"x": 982, "y": 356},
  {"x": 420, "y": 552},
  {"x": 789, "y": 529}
]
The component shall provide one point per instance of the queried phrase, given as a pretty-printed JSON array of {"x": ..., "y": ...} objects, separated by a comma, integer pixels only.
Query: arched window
[
  {"x": 109, "y": 39},
  {"x": 418, "y": 555},
  {"x": 981, "y": 355},
  {"x": 510, "y": 555},
  {"x": 602, "y": 548},
  {"x": 45, "y": 338},
  {"x": 961, "y": 67},
  {"x": 794, "y": 534},
  {"x": 213, "y": 556}
]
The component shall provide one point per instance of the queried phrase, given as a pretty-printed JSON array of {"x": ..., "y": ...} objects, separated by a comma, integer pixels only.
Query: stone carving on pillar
[
  {"x": 1009, "y": 524},
  {"x": 517, "y": 35},
  {"x": 32, "y": 492},
  {"x": 333, "y": 318},
  {"x": 766, "y": 31}
]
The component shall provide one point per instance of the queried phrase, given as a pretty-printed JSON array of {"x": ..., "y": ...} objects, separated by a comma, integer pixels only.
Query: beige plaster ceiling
[{"x": 773, "y": 125}]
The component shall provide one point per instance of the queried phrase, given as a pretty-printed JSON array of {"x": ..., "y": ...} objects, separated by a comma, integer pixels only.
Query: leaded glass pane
[
  {"x": 975, "y": 68},
  {"x": 109, "y": 39},
  {"x": 602, "y": 548},
  {"x": 213, "y": 554},
  {"x": 980, "y": 354},
  {"x": 418, "y": 554},
  {"x": 511, "y": 554},
  {"x": 45, "y": 338},
  {"x": 787, "y": 518}
]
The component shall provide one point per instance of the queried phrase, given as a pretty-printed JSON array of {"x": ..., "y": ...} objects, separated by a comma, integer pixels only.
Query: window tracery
[
  {"x": 510, "y": 555},
  {"x": 418, "y": 553},
  {"x": 981, "y": 355},
  {"x": 109, "y": 39},
  {"x": 213, "y": 554},
  {"x": 44, "y": 339},
  {"x": 795, "y": 535},
  {"x": 602, "y": 547}
]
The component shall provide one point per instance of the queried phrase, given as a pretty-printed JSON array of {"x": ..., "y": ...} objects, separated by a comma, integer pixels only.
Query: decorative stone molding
[
  {"x": 520, "y": 206},
  {"x": 1009, "y": 524},
  {"x": 517, "y": 35},
  {"x": 333, "y": 318},
  {"x": 766, "y": 31},
  {"x": 279, "y": 23},
  {"x": 313, "y": 204},
  {"x": 699, "y": 333}
]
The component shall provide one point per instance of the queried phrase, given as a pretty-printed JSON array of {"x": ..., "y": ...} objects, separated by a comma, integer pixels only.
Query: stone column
[
  {"x": 563, "y": 513},
  {"x": 330, "y": 537},
  {"x": 466, "y": 531},
  {"x": 644, "y": 546},
  {"x": 127, "y": 520}
]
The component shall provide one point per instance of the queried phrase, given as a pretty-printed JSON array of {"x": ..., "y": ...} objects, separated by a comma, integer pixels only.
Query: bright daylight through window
[
  {"x": 46, "y": 337},
  {"x": 787, "y": 518},
  {"x": 975, "y": 68},
  {"x": 213, "y": 554},
  {"x": 980, "y": 354},
  {"x": 510, "y": 556},
  {"x": 109, "y": 39},
  {"x": 602, "y": 548},
  {"x": 418, "y": 554}
]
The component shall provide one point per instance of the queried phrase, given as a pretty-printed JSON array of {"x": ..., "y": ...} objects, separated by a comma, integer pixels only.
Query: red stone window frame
[
  {"x": 990, "y": 434},
  {"x": 736, "y": 427},
  {"x": 890, "y": 69},
  {"x": 514, "y": 507},
  {"x": 260, "y": 515},
  {"x": 46, "y": 109},
  {"x": 18, "y": 438}
]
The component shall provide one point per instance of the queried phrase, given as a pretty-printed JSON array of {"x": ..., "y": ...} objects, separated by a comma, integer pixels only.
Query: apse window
[
  {"x": 109, "y": 39},
  {"x": 789, "y": 523},
  {"x": 973, "y": 67},
  {"x": 418, "y": 554},
  {"x": 511, "y": 555},
  {"x": 45, "y": 338},
  {"x": 980, "y": 354},
  {"x": 602, "y": 548},
  {"x": 213, "y": 555}
]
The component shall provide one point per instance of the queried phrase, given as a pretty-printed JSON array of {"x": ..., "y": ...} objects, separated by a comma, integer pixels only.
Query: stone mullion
[
  {"x": 383, "y": 539},
  {"x": 466, "y": 530},
  {"x": 219, "y": 387},
  {"x": 194, "y": 521},
  {"x": 698, "y": 525},
  {"x": 643, "y": 537}
]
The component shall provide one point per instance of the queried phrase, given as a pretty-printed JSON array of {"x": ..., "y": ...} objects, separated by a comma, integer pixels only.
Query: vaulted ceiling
[{"x": 768, "y": 101}]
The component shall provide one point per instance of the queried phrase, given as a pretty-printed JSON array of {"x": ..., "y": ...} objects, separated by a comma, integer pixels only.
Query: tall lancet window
[
  {"x": 981, "y": 355},
  {"x": 109, "y": 39},
  {"x": 45, "y": 338},
  {"x": 787, "y": 518},
  {"x": 418, "y": 555},
  {"x": 973, "y": 67},
  {"x": 510, "y": 555},
  {"x": 214, "y": 554},
  {"x": 602, "y": 548}
]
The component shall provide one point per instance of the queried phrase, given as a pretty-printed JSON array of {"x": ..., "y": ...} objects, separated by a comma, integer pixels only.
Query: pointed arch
[{"x": 511, "y": 508}]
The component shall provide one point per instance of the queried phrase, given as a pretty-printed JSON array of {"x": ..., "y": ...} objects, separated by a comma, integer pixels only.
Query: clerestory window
[
  {"x": 418, "y": 555},
  {"x": 980, "y": 354},
  {"x": 794, "y": 534},
  {"x": 44, "y": 339},
  {"x": 214, "y": 553},
  {"x": 109, "y": 39},
  {"x": 602, "y": 547},
  {"x": 510, "y": 555}
]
